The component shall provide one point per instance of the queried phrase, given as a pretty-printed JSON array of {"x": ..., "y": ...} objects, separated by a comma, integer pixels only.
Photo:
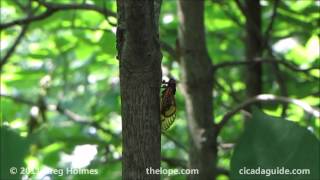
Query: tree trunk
[
  {"x": 197, "y": 82},
  {"x": 253, "y": 47},
  {"x": 140, "y": 79}
]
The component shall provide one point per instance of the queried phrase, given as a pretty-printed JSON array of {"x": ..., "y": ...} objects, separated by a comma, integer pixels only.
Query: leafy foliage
[
  {"x": 12, "y": 159},
  {"x": 69, "y": 61},
  {"x": 271, "y": 143}
]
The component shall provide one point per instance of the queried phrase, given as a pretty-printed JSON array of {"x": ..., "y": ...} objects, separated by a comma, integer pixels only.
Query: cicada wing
[
  {"x": 166, "y": 122},
  {"x": 170, "y": 111},
  {"x": 167, "y": 108},
  {"x": 167, "y": 100}
]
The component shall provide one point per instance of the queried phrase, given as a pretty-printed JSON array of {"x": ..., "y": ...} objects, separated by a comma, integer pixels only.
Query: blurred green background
[{"x": 60, "y": 95}]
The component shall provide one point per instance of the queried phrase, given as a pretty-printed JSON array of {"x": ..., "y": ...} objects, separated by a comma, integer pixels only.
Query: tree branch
[
  {"x": 282, "y": 62},
  {"x": 66, "y": 112},
  {"x": 59, "y": 7},
  {"x": 226, "y": 146},
  {"x": 170, "y": 50},
  {"x": 71, "y": 115},
  {"x": 28, "y": 19},
  {"x": 53, "y": 8},
  {"x": 282, "y": 86},
  {"x": 6, "y": 57},
  {"x": 270, "y": 26},
  {"x": 267, "y": 98},
  {"x": 19, "y": 100},
  {"x": 85, "y": 28},
  {"x": 226, "y": 10},
  {"x": 241, "y": 7},
  {"x": 231, "y": 92},
  {"x": 275, "y": 66}
]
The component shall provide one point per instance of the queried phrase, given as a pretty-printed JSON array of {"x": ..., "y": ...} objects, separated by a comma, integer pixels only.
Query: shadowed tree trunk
[
  {"x": 140, "y": 79},
  {"x": 253, "y": 47},
  {"x": 197, "y": 82}
]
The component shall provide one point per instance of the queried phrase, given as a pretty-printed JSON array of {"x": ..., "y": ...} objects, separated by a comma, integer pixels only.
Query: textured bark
[
  {"x": 197, "y": 82},
  {"x": 140, "y": 79},
  {"x": 253, "y": 47}
]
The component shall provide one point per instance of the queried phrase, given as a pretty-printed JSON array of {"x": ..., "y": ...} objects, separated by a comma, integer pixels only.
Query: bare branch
[
  {"x": 231, "y": 93},
  {"x": 71, "y": 115},
  {"x": 6, "y": 57},
  {"x": 170, "y": 50},
  {"x": 282, "y": 62},
  {"x": 267, "y": 98},
  {"x": 270, "y": 26},
  {"x": 83, "y": 6},
  {"x": 85, "y": 28},
  {"x": 241, "y": 7},
  {"x": 282, "y": 86},
  {"x": 66, "y": 112},
  {"x": 226, "y": 146},
  {"x": 27, "y": 20},
  {"x": 19, "y": 100},
  {"x": 53, "y": 8},
  {"x": 226, "y": 10},
  {"x": 264, "y": 39}
]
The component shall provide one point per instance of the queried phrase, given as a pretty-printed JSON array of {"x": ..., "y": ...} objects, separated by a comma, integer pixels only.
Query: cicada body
[{"x": 168, "y": 104}]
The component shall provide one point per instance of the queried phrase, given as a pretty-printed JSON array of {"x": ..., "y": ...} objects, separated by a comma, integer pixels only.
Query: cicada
[{"x": 168, "y": 104}]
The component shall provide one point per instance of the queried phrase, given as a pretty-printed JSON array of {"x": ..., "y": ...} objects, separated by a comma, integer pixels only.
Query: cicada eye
[{"x": 172, "y": 81}]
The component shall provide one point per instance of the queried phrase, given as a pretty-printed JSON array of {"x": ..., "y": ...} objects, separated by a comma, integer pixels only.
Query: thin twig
[
  {"x": 241, "y": 7},
  {"x": 226, "y": 146},
  {"x": 267, "y": 98},
  {"x": 270, "y": 26},
  {"x": 282, "y": 62},
  {"x": 225, "y": 8},
  {"x": 27, "y": 20},
  {"x": 66, "y": 112},
  {"x": 280, "y": 80},
  {"x": 231, "y": 92},
  {"x": 85, "y": 28},
  {"x": 169, "y": 49},
  {"x": 53, "y": 8},
  {"x": 6, "y": 57},
  {"x": 275, "y": 66},
  {"x": 19, "y": 99},
  {"x": 83, "y": 6}
]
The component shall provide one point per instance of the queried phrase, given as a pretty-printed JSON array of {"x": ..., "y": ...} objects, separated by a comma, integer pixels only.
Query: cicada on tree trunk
[{"x": 168, "y": 104}]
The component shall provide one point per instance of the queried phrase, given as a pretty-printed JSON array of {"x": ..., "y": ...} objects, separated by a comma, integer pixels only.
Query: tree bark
[
  {"x": 140, "y": 79},
  {"x": 197, "y": 82},
  {"x": 253, "y": 47}
]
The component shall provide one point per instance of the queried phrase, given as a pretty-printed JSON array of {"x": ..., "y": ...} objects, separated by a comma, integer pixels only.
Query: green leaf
[
  {"x": 52, "y": 153},
  {"x": 271, "y": 143},
  {"x": 13, "y": 151},
  {"x": 107, "y": 43}
]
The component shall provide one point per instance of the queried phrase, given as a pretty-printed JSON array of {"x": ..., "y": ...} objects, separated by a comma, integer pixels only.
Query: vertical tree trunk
[
  {"x": 140, "y": 79},
  {"x": 197, "y": 82},
  {"x": 253, "y": 47}
]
